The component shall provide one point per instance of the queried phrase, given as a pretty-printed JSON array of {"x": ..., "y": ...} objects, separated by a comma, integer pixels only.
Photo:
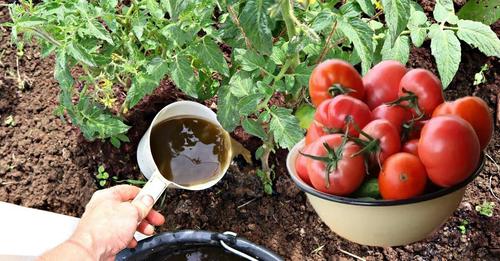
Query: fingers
[
  {"x": 155, "y": 218},
  {"x": 125, "y": 192},
  {"x": 143, "y": 204},
  {"x": 132, "y": 243},
  {"x": 146, "y": 228}
]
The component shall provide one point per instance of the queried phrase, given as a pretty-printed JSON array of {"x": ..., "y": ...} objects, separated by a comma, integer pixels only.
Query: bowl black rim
[{"x": 379, "y": 202}]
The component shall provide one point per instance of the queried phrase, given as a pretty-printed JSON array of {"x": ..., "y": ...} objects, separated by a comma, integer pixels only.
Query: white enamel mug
[{"x": 157, "y": 184}]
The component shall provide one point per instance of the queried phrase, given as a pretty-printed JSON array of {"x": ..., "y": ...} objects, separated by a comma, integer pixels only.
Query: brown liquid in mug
[{"x": 188, "y": 150}]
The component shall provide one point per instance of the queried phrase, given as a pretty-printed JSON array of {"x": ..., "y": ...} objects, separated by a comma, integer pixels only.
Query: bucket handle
[{"x": 232, "y": 250}]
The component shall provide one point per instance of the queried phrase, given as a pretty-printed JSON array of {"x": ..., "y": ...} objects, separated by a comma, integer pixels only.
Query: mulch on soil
[{"x": 46, "y": 164}]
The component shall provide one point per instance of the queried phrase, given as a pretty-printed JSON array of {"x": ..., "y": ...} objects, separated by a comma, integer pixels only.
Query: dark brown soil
[{"x": 46, "y": 164}]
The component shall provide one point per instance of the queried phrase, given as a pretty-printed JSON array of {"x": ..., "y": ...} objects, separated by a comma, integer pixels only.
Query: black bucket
[{"x": 159, "y": 246}]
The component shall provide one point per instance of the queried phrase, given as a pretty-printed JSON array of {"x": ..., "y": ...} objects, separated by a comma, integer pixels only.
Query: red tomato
[
  {"x": 395, "y": 114},
  {"x": 301, "y": 165},
  {"x": 314, "y": 132},
  {"x": 333, "y": 113},
  {"x": 411, "y": 146},
  {"x": 349, "y": 172},
  {"x": 331, "y": 74},
  {"x": 382, "y": 82},
  {"x": 425, "y": 86},
  {"x": 402, "y": 176},
  {"x": 385, "y": 136},
  {"x": 475, "y": 111},
  {"x": 449, "y": 149}
]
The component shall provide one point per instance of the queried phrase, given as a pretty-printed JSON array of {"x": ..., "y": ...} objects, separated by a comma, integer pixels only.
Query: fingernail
[
  {"x": 147, "y": 200},
  {"x": 150, "y": 229}
]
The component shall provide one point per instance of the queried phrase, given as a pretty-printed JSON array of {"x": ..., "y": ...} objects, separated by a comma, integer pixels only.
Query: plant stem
[
  {"x": 327, "y": 44},
  {"x": 268, "y": 146},
  {"x": 288, "y": 17},
  {"x": 235, "y": 20}
]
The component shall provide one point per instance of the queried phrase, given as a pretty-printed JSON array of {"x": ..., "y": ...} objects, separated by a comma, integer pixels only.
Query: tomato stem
[{"x": 338, "y": 88}]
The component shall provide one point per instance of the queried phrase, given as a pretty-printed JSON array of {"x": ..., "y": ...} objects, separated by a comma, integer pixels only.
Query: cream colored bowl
[{"x": 382, "y": 222}]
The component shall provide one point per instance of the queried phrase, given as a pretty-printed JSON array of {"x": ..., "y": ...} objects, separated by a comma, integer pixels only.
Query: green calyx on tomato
[
  {"x": 338, "y": 89},
  {"x": 331, "y": 160}
]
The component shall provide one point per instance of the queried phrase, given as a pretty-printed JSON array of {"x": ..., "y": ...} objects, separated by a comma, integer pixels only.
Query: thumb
[{"x": 143, "y": 203}]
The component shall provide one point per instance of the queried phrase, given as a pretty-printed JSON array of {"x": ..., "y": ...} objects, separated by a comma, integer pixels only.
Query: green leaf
[
  {"x": 175, "y": 33},
  {"x": 366, "y": 6},
  {"x": 96, "y": 29},
  {"x": 157, "y": 68},
  {"x": 140, "y": 87},
  {"x": 211, "y": 56},
  {"x": 248, "y": 105},
  {"x": 445, "y": 12},
  {"x": 254, "y": 128},
  {"x": 397, "y": 13},
  {"x": 259, "y": 152},
  {"x": 480, "y": 36},
  {"x": 241, "y": 84},
  {"x": 226, "y": 114},
  {"x": 305, "y": 115},
  {"x": 278, "y": 55},
  {"x": 249, "y": 60},
  {"x": 145, "y": 83},
  {"x": 138, "y": 24},
  {"x": 400, "y": 51},
  {"x": 323, "y": 20},
  {"x": 102, "y": 183},
  {"x": 417, "y": 27},
  {"x": 302, "y": 74},
  {"x": 95, "y": 122},
  {"x": 183, "y": 75},
  {"x": 361, "y": 36},
  {"x": 285, "y": 127},
  {"x": 101, "y": 169},
  {"x": 62, "y": 73},
  {"x": 254, "y": 21},
  {"x": 80, "y": 54},
  {"x": 154, "y": 9},
  {"x": 484, "y": 11},
  {"x": 445, "y": 48},
  {"x": 29, "y": 21}
]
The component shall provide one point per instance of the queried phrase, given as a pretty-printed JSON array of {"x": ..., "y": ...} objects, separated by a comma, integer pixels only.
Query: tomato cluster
[{"x": 392, "y": 125}]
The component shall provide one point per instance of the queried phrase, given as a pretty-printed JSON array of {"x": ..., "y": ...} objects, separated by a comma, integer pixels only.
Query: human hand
[{"x": 110, "y": 221}]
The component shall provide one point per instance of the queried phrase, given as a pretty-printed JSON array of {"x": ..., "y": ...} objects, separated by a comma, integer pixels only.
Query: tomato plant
[
  {"x": 122, "y": 50},
  {"x": 333, "y": 166},
  {"x": 402, "y": 176},
  {"x": 382, "y": 82},
  {"x": 475, "y": 111},
  {"x": 341, "y": 113},
  {"x": 333, "y": 77},
  {"x": 449, "y": 149}
]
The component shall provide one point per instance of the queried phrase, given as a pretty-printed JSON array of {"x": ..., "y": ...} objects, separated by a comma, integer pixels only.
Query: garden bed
[{"x": 47, "y": 164}]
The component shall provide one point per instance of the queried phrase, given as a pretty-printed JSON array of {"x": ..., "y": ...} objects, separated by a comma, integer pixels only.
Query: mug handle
[{"x": 154, "y": 187}]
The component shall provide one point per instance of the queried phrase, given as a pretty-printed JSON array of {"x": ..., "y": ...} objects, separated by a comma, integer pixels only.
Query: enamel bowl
[{"x": 382, "y": 222}]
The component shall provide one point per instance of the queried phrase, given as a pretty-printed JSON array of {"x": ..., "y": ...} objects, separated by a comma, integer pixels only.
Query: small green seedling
[
  {"x": 486, "y": 209},
  {"x": 9, "y": 121},
  {"x": 266, "y": 181},
  {"x": 102, "y": 176},
  {"x": 463, "y": 226},
  {"x": 479, "y": 76}
]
